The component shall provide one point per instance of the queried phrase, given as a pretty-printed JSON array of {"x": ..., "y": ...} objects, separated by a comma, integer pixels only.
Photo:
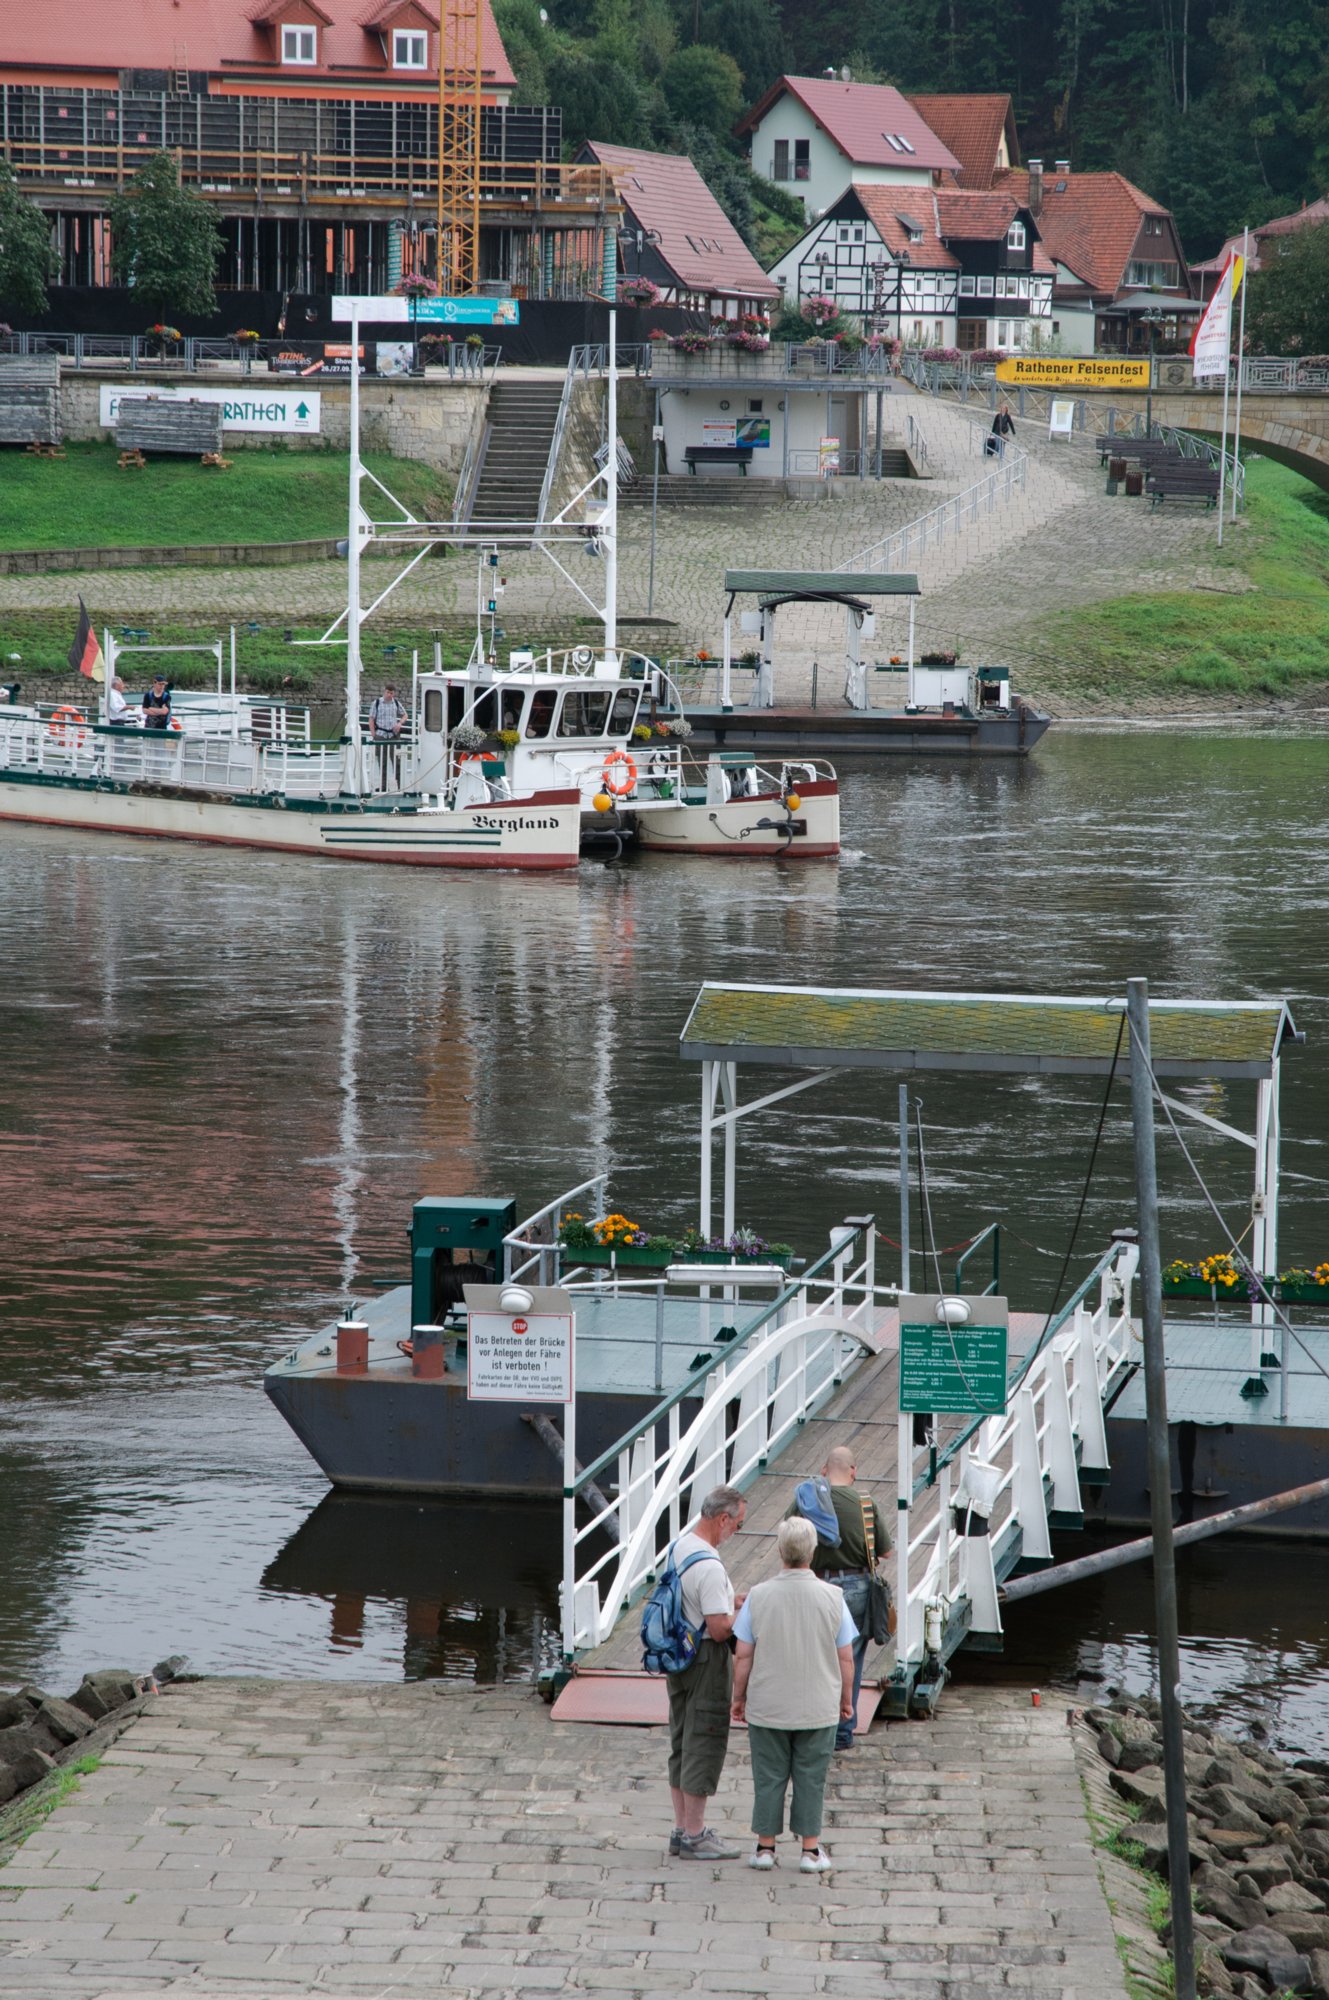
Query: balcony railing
[{"x": 783, "y": 360}]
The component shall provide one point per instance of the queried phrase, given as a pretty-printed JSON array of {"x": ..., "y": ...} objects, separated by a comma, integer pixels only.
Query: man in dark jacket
[{"x": 851, "y": 1564}]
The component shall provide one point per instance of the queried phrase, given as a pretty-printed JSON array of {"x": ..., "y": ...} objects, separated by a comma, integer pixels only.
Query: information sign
[
  {"x": 1061, "y": 419},
  {"x": 429, "y": 311},
  {"x": 519, "y": 1358},
  {"x": 1048, "y": 371},
  {"x": 243, "y": 409},
  {"x": 955, "y": 1366}
]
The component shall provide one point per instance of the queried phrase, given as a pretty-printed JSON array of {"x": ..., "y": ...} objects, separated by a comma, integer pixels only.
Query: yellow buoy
[
  {"x": 792, "y": 802},
  {"x": 602, "y": 802}
]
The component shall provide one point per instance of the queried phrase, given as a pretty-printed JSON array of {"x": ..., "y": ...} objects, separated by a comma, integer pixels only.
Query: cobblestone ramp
[{"x": 252, "y": 1840}]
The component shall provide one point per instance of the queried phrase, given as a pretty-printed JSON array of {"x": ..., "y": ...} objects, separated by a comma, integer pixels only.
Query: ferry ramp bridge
[{"x": 976, "y": 1495}]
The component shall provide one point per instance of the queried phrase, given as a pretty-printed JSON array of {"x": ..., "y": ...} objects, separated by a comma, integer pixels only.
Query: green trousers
[{"x": 781, "y": 1757}]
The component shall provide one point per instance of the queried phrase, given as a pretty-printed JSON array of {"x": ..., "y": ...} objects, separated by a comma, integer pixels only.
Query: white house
[{"x": 815, "y": 135}]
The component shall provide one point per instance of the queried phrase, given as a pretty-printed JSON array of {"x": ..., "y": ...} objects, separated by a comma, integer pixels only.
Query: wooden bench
[
  {"x": 718, "y": 454},
  {"x": 1188, "y": 479},
  {"x": 1144, "y": 451}
]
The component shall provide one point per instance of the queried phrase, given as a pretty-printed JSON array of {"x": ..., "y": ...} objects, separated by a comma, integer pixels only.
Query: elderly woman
[{"x": 793, "y": 1684}]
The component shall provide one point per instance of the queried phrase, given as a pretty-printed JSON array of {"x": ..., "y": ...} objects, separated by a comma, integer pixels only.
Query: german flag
[{"x": 85, "y": 655}]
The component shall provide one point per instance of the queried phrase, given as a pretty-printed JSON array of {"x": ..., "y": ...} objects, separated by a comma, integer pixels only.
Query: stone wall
[{"x": 429, "y": 420}]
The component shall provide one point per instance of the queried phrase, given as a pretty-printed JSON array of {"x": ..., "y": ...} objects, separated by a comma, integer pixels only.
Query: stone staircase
[
  {"x": 521, "y": 420},
  {"x": 725, "y": 489}
]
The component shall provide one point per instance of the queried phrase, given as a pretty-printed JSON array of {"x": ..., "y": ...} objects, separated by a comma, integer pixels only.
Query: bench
[
  {"x": 718, "y": 454},
  {"x": 1188, "y": 479},
  {"x": 1145, "y": 451}
]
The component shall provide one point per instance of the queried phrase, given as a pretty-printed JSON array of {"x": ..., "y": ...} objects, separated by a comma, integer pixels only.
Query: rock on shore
[
  {"x": 1258, "y": 1831},
  {"x": 39, "y": 1731}
]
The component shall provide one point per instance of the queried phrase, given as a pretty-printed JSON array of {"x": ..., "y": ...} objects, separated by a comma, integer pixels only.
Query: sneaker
[
  {"x": 705, "y": 1846},
  {"x": 762, "y": 1857},
  {"x": 814, "y": 1861}
]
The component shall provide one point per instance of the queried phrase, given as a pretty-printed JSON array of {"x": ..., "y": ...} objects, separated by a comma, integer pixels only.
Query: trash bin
[{"x": 1134, "y": 484}]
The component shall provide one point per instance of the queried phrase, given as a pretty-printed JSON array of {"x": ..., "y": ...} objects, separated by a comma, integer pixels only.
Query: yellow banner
[{"x": 1050, "y": 371}]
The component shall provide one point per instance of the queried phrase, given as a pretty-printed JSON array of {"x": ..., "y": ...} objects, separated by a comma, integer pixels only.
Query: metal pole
[
  {"x": 609, "y": 532},
  {"x": 570, "y": 1525},
  {"x": 1160, "y": 1490},
  {"x": 1222, "y": 444},
  {"x": 655, "y": 504},
  {"x": 1195, "y": 1531},
  {"x": 1241, "y": 366},
  {"x": 353, "y": 610},
  {"x": 904, "y": 1187}
]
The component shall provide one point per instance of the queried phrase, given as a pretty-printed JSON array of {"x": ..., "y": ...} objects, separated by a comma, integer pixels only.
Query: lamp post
[{"x": 1153, "y": 319}]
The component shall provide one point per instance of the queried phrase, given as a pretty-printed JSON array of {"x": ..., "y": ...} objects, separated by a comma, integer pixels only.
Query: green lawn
[
  {"x": 85, "y": 501},
  {"x": 1272, "y": 640}
]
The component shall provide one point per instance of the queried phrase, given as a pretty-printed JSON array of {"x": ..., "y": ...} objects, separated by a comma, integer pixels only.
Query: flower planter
[
  {"x": 1301, "y": 1291},
  {"x": 1196, "y": 1288},
  {"x": 782, "y": 1258},
  {"x": 625, "y": 1255}
]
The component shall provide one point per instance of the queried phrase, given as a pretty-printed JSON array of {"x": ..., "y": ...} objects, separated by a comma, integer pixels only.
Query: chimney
[
  {"x": 1035, "y": 186},
  {"x": 1063, "y": 168}
]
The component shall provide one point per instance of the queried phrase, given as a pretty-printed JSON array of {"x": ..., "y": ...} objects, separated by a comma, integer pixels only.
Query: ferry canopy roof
[
  {"x": 817, "y": 1027},
  {"x": 794, "y": 583}
]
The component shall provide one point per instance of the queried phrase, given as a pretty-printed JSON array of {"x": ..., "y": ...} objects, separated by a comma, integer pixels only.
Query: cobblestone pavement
[
  {"x": 1057, "y": 542},
  {"x": 254, "y": 1839}
]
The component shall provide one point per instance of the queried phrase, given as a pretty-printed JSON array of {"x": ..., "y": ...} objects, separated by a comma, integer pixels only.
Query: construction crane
[{"x": 460, "y": 74}]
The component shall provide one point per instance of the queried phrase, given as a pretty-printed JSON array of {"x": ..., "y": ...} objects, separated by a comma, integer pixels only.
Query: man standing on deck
[
  {"x": 386, "y": 719},
  {"x": 699, "y": 1699},
  {"x": 851, "y": 1564}
]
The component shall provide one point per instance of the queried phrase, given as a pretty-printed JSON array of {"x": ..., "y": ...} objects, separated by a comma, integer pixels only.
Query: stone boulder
[
  {"x": 1270, "y": 1955},
  {"x": 62, "y": 1720}
]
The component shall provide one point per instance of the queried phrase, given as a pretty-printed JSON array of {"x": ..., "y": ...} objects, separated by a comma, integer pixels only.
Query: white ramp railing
[{"x": 1013, "y": 1472}]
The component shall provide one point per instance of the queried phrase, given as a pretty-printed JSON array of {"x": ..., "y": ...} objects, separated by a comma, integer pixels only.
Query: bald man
[{"x": 848, "y": 1566}]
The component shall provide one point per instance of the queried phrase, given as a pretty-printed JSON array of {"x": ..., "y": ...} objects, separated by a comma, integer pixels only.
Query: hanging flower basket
[{"x": 639, "y": 292}]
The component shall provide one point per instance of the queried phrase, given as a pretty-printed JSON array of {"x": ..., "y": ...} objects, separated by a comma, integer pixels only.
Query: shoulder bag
[{"x": 881, "y": 1607}]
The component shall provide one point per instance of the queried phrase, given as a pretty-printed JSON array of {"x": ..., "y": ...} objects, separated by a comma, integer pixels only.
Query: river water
[{"x": 225, "y": 1077}]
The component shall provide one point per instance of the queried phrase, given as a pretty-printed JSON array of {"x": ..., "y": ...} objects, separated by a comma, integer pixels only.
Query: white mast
[
  {"x": 609, "y": 531},
  {"x": 353, "y": 538},
  {"x": 1241, "y": 365}
]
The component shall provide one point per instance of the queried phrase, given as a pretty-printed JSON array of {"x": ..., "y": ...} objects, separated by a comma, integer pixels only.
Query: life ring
[
  {"x": 173, "y": 724},
  {"x": 630, "y": 773},
  {"x": 62, "y": 729}
]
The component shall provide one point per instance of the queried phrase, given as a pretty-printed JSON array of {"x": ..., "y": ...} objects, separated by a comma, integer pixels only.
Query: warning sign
[{"x": 522, "y": 1358}]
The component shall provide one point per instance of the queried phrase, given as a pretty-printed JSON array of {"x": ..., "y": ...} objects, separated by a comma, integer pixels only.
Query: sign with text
[
  {"x": 243, "y": 409},
  {"x": 1051, "y": 371},
  {"x": 428, "y": 311},
  {"x": 956, "y": 1366},
  {"x": 519, "y": 1357}
]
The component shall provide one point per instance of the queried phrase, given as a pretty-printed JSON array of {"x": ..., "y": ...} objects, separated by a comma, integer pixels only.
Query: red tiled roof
[
  {"x": 888, "y": 209},
  {"x": 972, "y": 128},
  {"x": 1282, "y": 225},
  {"x": 214, "y": 36},
  {"x": 1091, "y": 225},
  {"x": 697, "y": 240},
  {"x": 858, "y": 117},
  {"x": 975, "y": 218}
]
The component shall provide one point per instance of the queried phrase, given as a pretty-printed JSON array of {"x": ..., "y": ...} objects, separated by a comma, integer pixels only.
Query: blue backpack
[
  {"x": 812, "y": 1497},
  {"x": 668, "y": 1642}
]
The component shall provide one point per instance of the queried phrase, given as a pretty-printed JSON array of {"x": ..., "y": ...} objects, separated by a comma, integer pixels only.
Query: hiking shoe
[
  {"x": 813, "y": 1861},
  {"x": 762, "y": 1857},
  {"x": 705, "y": 1846}
]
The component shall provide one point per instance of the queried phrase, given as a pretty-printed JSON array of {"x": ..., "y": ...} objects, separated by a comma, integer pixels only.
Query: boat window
[
  {"x": 433, "y": 720},
  {"x": 541, "y": 717},
  {"x": 513, "y": 701},
  {"x": 485, "y": 713},
  {"x": 584, "y": 714},
  {"x": 624, "y": 712}
]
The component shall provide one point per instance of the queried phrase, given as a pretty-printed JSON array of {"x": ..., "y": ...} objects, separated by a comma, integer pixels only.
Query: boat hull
[
  {"x": 748, "y": 829},
  {"x": 539, "y": 833},
  {"x": 849, "y": 732}
]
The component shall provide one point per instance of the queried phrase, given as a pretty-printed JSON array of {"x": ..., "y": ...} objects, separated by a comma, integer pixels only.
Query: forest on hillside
[{"x": 1219, "y": 108}]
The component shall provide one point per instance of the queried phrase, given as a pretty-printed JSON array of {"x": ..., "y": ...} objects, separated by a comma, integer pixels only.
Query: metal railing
[
  {"x": 1015, "y": 1469},
  {"x": 195, "y": 353},
  {"x": 64, "y": 746},
  {"x": 904, "y": 549},
  {"x": 780, "y": 1367},
  {"x": 918, "y": 444},
  {"x": 590, "y": 359},
  {"x": 782, "y": 360}
]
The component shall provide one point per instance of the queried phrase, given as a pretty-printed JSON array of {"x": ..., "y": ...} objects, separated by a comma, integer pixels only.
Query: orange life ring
[
  {"x": 630, "y": 773},
  {"x": 173, "y": 724},
  {"x": 61, "y": 726}
]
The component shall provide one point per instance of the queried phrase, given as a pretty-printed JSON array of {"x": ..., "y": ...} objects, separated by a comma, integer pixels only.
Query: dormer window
[
  {"x": 1015, "y": 236},
  {"x": 299, "y": 45},
  {"x": 410, "y": 49}
]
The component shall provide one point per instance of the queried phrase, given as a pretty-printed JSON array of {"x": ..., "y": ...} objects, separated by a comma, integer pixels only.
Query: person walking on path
[
  {"x": 1003, "y": 426},
  {"x": 793, "y": 1682},
  {"x": 699, "y": 1698},
  {"x": 850, "y": 1566}
]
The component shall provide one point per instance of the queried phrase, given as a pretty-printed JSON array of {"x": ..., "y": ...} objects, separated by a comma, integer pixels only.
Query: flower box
[
  {"x": 1196, "y": 1288},
  {"x": 624, "y": 1255},
  {"x": 780, "y": 1257},
  {"x": 1303, "y": 1291}
]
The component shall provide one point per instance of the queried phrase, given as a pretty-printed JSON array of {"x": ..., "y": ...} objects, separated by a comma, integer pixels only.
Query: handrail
[
  {"x": 994, "y": 1285},
  {"x": 950, "y": 516},
  {"x": 516, "y": 1237}
]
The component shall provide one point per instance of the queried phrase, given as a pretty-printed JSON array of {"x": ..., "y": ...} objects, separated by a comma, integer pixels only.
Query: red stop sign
[{"x": 520, "y": 1326}]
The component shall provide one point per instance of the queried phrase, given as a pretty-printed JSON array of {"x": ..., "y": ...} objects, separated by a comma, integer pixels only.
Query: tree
[
  {"x": 750, "y": 32},
  {"x": 25, "y": 248},
  {"x": 1287, "y": 311},
  {"x": 705, "y": 87},
  {"x": 599, "y": 99},
  {"x": 165, "y": 241},
  {"x": 528, "y": 41}
]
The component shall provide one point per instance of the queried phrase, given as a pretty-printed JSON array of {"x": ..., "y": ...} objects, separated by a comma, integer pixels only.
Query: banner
[
  {"x": 429, "y": 311},
  {"x": 260, "y": 408},
  {"x": 1048, "y": 371},
  {"x": 1211, "y": 342}
]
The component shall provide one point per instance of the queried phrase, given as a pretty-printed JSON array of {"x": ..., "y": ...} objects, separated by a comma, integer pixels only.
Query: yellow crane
[{"x": 460, "y": 74}]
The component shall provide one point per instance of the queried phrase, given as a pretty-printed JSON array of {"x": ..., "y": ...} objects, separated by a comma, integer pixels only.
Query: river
[{"x": 224, "y": 1077}]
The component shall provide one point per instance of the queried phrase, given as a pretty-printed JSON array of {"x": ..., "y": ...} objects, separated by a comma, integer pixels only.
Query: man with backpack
[
  {"x": 696, "y": 1594},
  {"x": 851, "y": 1540}
]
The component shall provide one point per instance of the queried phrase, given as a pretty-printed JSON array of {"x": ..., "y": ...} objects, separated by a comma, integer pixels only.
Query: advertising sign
[
  {"x": 957, "y": 1366},
  {"x": 427, "y": 311},
  {"x": 260, "y": 408},
  {"x": 519, "y": 1358},
  {"x": 1050, "y": 371},
  {"x": 754, "y": 431},
  {"x": 829, "y": 456},
  {"x": 718, "y": 430}
]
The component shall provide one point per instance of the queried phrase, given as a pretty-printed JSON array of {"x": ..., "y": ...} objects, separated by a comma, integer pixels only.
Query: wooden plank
[
  {"x": 29, "y": 412},
  {"x": 155, "y": 423}
]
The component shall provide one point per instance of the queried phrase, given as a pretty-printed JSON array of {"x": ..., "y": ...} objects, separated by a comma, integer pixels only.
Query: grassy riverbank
[
  {"x": 84, "y": 500},
  {"x": 1265, "y": 635}
]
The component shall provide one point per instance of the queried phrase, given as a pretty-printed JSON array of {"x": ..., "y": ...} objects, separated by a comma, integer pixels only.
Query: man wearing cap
[
  {"x": 386, "y": 717},
  {"x": 157, "y": 704}
]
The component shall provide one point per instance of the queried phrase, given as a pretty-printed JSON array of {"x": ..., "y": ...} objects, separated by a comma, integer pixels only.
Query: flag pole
[
  {"x": 1241, "y": 364},
  {"x": 1222, "y": 444}
]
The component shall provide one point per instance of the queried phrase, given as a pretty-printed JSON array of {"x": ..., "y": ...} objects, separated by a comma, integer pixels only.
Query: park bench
[
  {"x": 1142, "y": 451},
  {"x": 1188, "y": 479},
  {"x": 718, "y": 454}
]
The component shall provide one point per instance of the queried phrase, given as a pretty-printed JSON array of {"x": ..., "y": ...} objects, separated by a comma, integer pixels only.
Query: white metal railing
[
  {"x": 779, "y": 1369},
  {"x": 63, "y": 745},
  {"x": 533, "y": 1246},
  {"x": 1029, "y": 1458},
  {"x": 903, "y": 549}
]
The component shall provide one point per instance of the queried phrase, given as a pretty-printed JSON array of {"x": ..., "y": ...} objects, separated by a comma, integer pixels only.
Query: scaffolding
[{"x": 460, "y": 67}]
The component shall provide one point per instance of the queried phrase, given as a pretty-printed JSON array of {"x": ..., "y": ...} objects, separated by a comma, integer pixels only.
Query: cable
[
  {"x": 925, "y": 1201},
  {"x": 1084, "y": 1192}
]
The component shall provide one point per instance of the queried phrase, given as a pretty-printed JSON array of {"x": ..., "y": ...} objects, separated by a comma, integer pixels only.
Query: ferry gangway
[{"x": 974, "y": 1497}]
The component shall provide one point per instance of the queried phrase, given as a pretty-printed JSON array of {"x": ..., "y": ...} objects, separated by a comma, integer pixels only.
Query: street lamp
[{"x": 1153, "y": 319}]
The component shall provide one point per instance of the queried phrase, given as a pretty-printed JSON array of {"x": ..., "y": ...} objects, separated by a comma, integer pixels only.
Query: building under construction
[{"x": 312, "y": 127}]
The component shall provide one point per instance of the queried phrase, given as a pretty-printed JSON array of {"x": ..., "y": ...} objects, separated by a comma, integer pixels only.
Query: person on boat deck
[
  {"x": 157, "y": 704},
  {"x": 386, "y": 719},
  {"x": 117, "y": 708},
  {"x": 1003, "y": 426}
]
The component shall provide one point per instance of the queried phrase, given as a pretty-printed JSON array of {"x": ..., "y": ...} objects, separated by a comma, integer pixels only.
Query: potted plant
[
  {"x": 691, "y": 342},
  {"x": 743, "y": 1247},
  {"x": 433, "y": 349},
  {"x": 1212, "y": 1277},
  {"x": 613, "y": 1240},
  {"x": 639, "y": 292},
  {"x": 160, "y": 337},
  {"x": 1309, "y": 1286},
  {"x": 247, "y": 338}
]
